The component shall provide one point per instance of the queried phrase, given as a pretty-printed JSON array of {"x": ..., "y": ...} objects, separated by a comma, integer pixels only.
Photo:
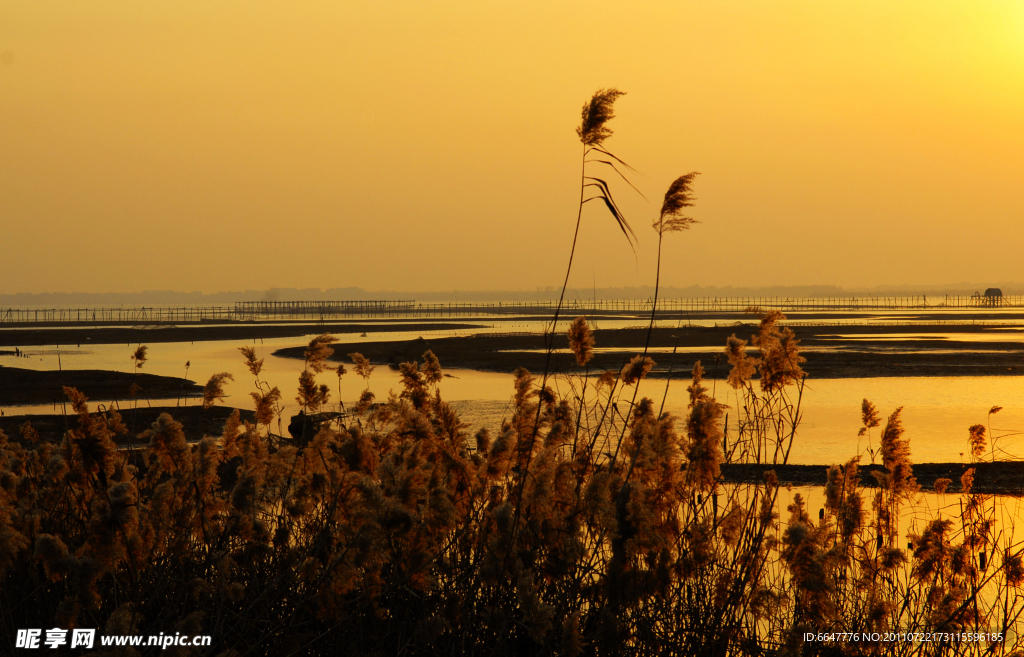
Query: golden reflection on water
[{"x": 937, "y": 410}]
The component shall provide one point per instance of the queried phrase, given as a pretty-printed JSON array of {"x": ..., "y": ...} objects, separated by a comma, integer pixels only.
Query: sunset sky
[{"x": 221, "y": 145}]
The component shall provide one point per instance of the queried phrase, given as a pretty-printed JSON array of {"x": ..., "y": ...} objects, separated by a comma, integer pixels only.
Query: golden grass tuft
[
  {"x": 362, "y": 366},
  {"x": 597, "y": 112},
  {"x": 318, "y": 351},
  {"x": 637, "y": 368},
  {"x": 581, "y": 341},
  {"x": 678, "y": 197},
  {"x": 214, "y": 388},
  {"x": 139, "y": 356}
]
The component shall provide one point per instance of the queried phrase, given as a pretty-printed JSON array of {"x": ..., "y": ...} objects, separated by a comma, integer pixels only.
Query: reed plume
[
  {"x": 362, "y": 366},
  {"x": 139, "y": 356},
  {"x": 967, "y": 480},
  {"x": 318, "y": 351},
  {"x": 311, "y": 397},
  {"x": 704, "y": 445},
  {"x": 188, "y": 364},
  {"x": 869, "y": 420},
  {"x": 743, "y": 366},
  {"x": 697, "y": 392},
  {"x": 581, "y": 341},
  {"x": 636, "y": 369},
  {"x": 678, "y": 197},
  {"x": 597, "y": 112},
  {"x": 780, "y": 354},
  {"x": 254, "y": 365},
  {"x": 896, "y": 455},
  {"x": 214, "y": 388},
  {"x": 869, "y": 417},
  {"x": 266, "y": 405},
  {"x": 977, "y": 440}
]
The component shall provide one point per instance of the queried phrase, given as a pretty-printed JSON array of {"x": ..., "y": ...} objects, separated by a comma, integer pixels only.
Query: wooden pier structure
[{"x": 319, "y": 311}]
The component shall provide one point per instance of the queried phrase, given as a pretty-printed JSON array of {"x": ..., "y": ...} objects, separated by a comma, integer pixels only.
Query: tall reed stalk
[
  {"x": 670, "y": 220},
  {"x": 592, "y": 133}
]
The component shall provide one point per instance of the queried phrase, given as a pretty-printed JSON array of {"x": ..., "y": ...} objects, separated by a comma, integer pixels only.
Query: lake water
[{"x": 937, "y": 410}]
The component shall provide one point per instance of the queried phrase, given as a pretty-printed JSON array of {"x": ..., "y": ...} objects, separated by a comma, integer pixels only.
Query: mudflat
[
  {"x": 1000, "y": 477},
  {"x": 831, "y": 352},
  {"x": 22, "y": 386},
  {"x": 195, "y": 420},
  {"x": 242, "y": 331}
]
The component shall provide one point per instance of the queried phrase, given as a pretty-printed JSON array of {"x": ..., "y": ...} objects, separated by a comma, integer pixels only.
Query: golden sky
[{"x": 215, "y": 145}]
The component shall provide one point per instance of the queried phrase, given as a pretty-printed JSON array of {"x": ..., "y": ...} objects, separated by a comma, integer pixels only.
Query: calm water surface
[{"x": 937, "y": 410}]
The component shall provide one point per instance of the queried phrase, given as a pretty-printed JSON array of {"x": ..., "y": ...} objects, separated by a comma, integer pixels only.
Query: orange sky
[{"x": 221, "y": 145}]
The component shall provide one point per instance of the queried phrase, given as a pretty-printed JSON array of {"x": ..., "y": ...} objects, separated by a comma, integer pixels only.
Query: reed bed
[{"x": 394, "y": 532}]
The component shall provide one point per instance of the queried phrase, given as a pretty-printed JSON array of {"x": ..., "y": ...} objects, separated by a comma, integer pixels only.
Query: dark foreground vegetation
[{"x": 991, "y": 477}]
